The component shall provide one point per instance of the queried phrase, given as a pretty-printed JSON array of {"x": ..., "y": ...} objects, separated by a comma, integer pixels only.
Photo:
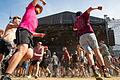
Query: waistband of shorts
[
  {"x": 86, "y": 33},
  {"x": 24, "y": 29}
]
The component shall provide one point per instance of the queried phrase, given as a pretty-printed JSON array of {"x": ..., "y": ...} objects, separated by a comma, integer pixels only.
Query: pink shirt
[
  {"x": 29, "y": 20},
  {"x": 83, "y": 24}
]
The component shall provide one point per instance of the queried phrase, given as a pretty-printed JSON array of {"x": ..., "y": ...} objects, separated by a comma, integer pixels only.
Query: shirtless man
[{"x": 7, "y": 40}]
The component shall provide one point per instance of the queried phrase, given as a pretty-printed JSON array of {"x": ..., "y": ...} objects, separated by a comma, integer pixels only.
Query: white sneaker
[{"x": 29, "y": 76}]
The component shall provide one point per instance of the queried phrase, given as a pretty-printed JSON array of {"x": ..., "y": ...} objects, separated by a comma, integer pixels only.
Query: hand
[
  {"x": 75, "y": 29},
  {"x": 43, "y": 2},
  {"x": 99, "y": 7},
  {"x": 11, "y": 24},
  {"x": 42, "y": 35}
]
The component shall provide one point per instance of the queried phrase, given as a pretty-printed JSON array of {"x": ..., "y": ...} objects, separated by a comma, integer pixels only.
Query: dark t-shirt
[
  {"x": 82, "y": 24},
  {"x": 75, "y": 58}
]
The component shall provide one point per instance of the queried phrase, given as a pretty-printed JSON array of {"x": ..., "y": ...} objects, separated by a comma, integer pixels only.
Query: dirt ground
[{"x": 113, "y": 78}]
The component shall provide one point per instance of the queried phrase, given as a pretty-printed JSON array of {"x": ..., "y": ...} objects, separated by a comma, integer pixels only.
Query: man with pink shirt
[
  {"x": 87, "y": 39},
  {"x": 24, "y": 35}
]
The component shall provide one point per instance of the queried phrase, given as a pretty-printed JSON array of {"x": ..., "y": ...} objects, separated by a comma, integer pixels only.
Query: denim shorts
[{"x": 88, "y": 42}]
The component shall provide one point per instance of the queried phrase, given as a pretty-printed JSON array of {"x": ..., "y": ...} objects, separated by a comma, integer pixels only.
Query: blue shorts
[
  {"x": 88, "y": 42},
  {"x": 25, "y": 65}
]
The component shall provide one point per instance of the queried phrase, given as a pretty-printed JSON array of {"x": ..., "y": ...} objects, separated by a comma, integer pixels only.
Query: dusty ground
[{"x": 113, "y": 78}]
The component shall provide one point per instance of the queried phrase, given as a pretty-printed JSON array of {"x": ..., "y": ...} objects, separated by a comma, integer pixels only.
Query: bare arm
[
  {"x": 75, "y": 29},
  {"x": 43, "y": 2},
  {"x": 37, "y": 54},
  {"x": 68, "y": 54},
  {"x": 10, "y": 26},
  {"x": 35, "y": 2},
  {"x": 42, "y": 52},
  {"x": 75, "y": 26},
  {"x": 38, "y": 34},
  {"x": 91, "y": 9}
]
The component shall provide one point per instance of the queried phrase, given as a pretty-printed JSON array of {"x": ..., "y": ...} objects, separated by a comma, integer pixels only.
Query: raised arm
[
  {"x": 35, "y": 2},
  {"x": 43, "y": 2},
  {"x": 91, "y": 9}
]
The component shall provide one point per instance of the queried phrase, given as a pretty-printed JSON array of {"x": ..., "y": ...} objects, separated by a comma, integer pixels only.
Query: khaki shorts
[{"x": 88, "y": 42}]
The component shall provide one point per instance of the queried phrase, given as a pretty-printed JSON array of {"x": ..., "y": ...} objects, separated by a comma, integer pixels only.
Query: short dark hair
[
  {"x": 16, "y": 17},
  {"x": 78, "y": 13}
]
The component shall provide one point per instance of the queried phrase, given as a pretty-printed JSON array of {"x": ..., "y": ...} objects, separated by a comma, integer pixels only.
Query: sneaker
[
  {"x": 107, "y": 75},
  {"x": 99, "y": 78},
  {"x": 5, "y": 78},
  {"x": 36, "y": 76},
  {"x": 96, "y": 74},
  {"x": 49, "y": 75},
  {"x": 29, "y": 76},
  {"x": 4, "y": 66}
]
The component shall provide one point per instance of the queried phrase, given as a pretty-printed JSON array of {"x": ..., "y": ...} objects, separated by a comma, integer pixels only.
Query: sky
[{"x": 17, "y": 7}]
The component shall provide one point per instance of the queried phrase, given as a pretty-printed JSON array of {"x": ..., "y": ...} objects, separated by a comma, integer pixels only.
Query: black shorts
[
  {"x": 44, "y": 64},
  {"x": 66, "y": 64},
  {"x": 5, "y": 47},
  {"x": 34, "y": 62},
  {"x": 23, "y": 36}
]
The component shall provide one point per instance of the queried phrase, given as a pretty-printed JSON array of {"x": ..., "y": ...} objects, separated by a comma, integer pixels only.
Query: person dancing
[
  {"x": 88, "y": 39},
  {"x": 24, "y": 35}
]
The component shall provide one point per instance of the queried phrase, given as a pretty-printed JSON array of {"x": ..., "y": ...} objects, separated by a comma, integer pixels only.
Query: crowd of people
[
  {"x": 19, "y": 56},
  {"x": 44, "y": 63}
]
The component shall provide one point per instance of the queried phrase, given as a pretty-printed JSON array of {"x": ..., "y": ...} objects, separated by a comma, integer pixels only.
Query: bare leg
[
  {"x": 90, "y": 58},
  {"x": 1, "y": 57},
  {"x": 30, "y": 71},
  {"x": 99, "y": 57},
  {"x": 37, "y": 69},
  {"x": 28, "y": 55},
  {"x": 16, "y": 58},
  {"x": 48, "y": 71}
]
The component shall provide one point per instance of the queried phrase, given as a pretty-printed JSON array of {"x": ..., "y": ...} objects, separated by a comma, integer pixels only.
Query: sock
[
  {"x": 93, "y": 68},
  {"x": 7, "y": 74},
  {"x": 103, "y": 68}
]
